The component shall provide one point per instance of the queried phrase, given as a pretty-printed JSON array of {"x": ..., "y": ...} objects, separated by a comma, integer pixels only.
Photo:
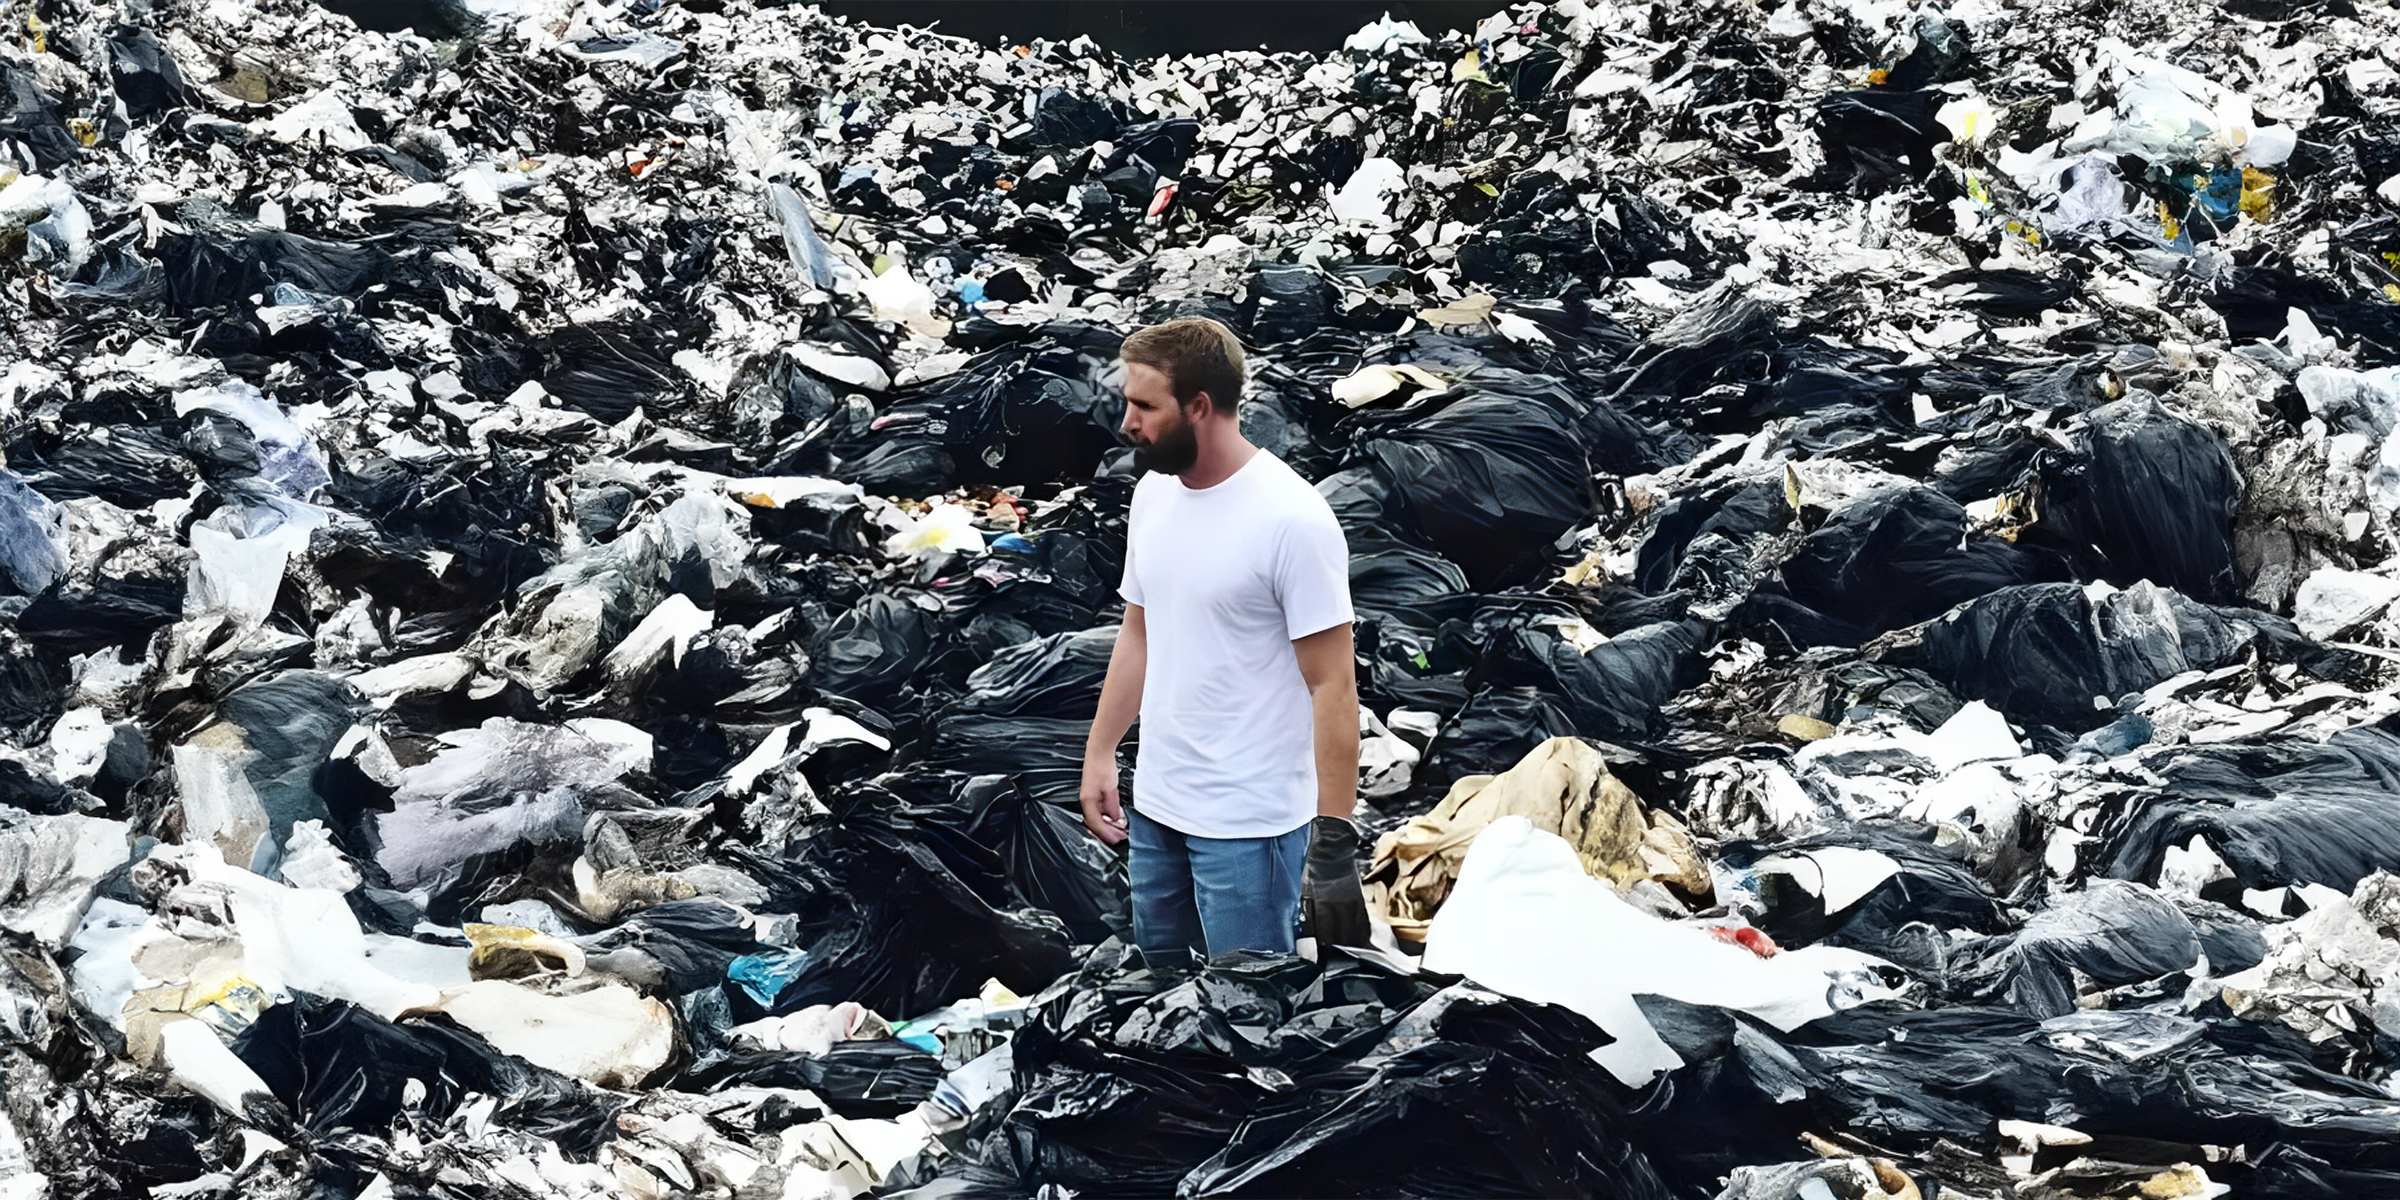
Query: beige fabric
[{"x": 1564, "y": 787}]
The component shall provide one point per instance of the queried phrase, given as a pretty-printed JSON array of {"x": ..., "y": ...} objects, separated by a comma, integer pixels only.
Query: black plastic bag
[
  {"x": 1491, "y": 481},
  {"x": 1876, "y": 141},
  {"x": 289, "y": 723},
  {"x": 904, "y": 911},
  {"x": 147, "y": 79},
  {"x": 1025, "y": 713},
  {"x": 1259, "y": 1076},
  {"x": 340, "y": 1067},
  {"x": 226, "y": 261},
  {"x": 2109, "y": 934},
  {"x": 1490, "y": 733},
  {"x": 2278, "y": 812},
  {"x": 2151, "y": 496},
  {"x": 1030, "y": 411},
  {"x": 1733, "y": 514},
  {"x": 865, "y": 1079},
  {"x": 1287, "y": 302},
  {"x": 1064, "y": 120},
  {"x": 120, "y": 453},
  {"x": 116, "y": 612},
  {"x": 873, "y": 651},
  {"x": 1615, "y": 689},
  {"x": 1928, "y": 891},
  {"x": 1890, "y": 558},
  {"x": 32, "y": 118},
  {"x": 1051, "y": 859},
  {"x": 691, "y": 941},
  {"x": 608, "y": 369},
  {"x": 2046, "y": 651}
]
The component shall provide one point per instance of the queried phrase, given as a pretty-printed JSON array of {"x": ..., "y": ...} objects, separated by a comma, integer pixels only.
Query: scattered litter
[{"x": 553, "y": 580}]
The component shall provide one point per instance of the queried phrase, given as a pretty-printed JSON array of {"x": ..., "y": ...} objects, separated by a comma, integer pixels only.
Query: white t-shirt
[{"x": 1227, "y": 578}]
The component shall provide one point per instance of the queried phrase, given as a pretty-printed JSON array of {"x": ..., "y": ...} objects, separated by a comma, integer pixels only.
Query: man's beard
[{"x": 1173, "y": 453}]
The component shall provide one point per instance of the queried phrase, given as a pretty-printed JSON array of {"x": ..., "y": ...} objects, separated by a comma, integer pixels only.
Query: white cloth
[{"x": 1227, "y": 578}]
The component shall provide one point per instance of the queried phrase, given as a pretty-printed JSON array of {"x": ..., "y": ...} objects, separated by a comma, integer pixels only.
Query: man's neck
[{"x": 1220, "y": 456}]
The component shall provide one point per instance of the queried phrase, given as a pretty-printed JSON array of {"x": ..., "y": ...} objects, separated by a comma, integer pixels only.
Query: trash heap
[{"x": 554, "y": 581}]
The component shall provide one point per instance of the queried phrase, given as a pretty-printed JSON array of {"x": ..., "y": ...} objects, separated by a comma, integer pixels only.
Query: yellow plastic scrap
[
  {"x": 2391, "y": 292},
  {"x": 1592, "y": 569},
  {"x": 1470, "y": 67},
  {"x": 37, "y": 36},
  {"x": 513, "y": 952},
  {"x": 2258, "y": 194},
  {"x": 232, "y": 1005},
  {"x": 2182, "y": 1179},
  {"x": 1473, "y": 308},
  {"x": 1804, "y": 727},
  {"x": 2167, "y": 224},
  {"x": 85, "y": 132},
  {"x": 1975, "y": 190}
]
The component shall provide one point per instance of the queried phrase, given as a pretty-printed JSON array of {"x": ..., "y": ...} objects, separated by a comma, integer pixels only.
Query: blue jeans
[{"x": 1198, "y": 895}]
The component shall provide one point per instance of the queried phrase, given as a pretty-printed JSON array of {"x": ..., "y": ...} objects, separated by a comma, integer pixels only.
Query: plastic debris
[{"x": 553, "y": 568}]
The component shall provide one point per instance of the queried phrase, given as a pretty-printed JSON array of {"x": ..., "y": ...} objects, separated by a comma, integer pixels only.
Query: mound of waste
[{"x": 553, "y": 583}]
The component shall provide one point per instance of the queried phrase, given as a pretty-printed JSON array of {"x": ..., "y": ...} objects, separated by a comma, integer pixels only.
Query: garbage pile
[{"x": 555, "y": 580}]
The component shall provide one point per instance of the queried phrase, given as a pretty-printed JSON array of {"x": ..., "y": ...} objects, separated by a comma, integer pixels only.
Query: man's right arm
[{"x": 1120, "y": 703}]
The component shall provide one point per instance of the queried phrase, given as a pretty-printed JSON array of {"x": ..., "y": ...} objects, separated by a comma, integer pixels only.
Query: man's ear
[{"x": 1202, "y": 406}]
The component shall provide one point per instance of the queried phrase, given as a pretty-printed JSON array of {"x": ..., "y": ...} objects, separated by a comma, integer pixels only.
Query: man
[{"x": 1236, "y": 654}]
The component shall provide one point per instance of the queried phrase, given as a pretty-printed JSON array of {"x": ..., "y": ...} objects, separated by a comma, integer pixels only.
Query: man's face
[{"x": 1160, "y": 428}]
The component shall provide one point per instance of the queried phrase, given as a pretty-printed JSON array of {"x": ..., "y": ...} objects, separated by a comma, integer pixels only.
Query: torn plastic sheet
[
  {"x": 240, "y": 554},
  {"x": 496, "y": 786},
  {"x": 1562, "y": 787},
  {"x": 808, "y": 251},
  {"x": 604, "y": 1032},
  {"x": 1522, "y": 888},
  {"x": 33, "y": 553},
  {"x": 288, "y": 456},
  {"x": 51, "y": 868}
]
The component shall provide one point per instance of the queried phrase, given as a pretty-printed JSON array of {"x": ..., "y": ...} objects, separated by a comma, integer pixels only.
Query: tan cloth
[{"x": 1562, "y": 786}]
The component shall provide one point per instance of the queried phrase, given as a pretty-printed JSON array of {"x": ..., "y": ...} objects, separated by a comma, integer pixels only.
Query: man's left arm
[
  {"x": 1334, "y": 907},
  {"x": 1328, "y": 665}
]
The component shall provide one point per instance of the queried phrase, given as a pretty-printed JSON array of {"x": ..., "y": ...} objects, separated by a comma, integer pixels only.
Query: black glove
[{"x": 1332, "y": 907}]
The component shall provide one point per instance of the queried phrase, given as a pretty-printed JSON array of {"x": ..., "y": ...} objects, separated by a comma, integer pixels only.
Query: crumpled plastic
[{"x": 1563, "y": 787}]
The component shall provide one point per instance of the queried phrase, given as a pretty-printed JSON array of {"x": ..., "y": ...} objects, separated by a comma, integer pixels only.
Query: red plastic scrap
[{"x": 1747, "y": 938}]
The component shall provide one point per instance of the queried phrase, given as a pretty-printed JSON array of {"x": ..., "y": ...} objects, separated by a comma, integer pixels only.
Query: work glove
[{"x": 1332, "y": 907}]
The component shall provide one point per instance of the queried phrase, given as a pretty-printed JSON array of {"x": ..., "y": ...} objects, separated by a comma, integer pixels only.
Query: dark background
[{"x": 1133, "y": 29}]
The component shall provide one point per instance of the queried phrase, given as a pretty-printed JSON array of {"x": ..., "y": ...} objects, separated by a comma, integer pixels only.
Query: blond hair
[{"x": 1196, "y": 355}]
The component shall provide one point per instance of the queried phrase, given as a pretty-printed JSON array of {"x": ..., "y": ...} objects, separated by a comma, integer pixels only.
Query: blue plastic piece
[{"x": 764, "y": 976}]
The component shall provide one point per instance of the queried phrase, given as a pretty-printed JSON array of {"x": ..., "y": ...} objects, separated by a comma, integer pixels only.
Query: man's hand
[
  {"x": 1331, "y": 901},
  {"x": 1120, "y": 702},
  {"x": 1102, "y": 814}
]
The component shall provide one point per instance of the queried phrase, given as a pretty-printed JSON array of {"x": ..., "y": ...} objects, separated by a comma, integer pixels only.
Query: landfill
[{"x": 555, "y": 577}]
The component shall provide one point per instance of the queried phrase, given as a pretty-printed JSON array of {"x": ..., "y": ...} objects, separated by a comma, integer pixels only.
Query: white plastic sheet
[{"x": 1526, "y": 920}]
